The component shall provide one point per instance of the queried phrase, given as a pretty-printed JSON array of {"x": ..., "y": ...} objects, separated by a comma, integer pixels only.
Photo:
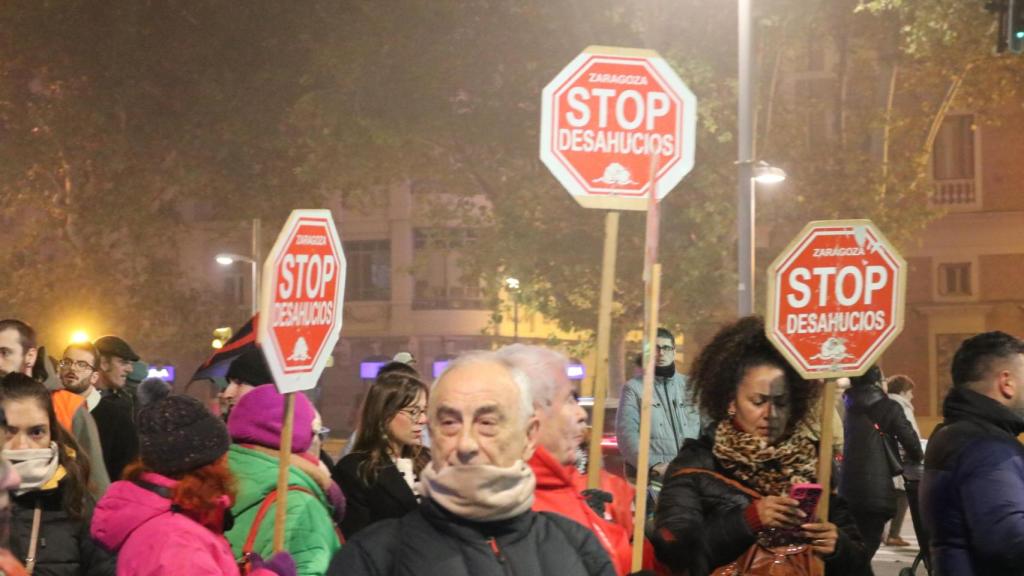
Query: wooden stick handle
[{"x": 281, "y": 510}]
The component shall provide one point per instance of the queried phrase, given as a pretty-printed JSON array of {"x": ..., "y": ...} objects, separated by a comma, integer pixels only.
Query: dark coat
[
  {"x": 701, "y": 525},
  {"x": 65, "y": 547},
  {"x": 388, "y": 497},
  {"x": 430, "y": 540},
  {"x": 866, "y": 481},
  {"x": 972, "y": 494},
  {"x": 118, "y": 434}
]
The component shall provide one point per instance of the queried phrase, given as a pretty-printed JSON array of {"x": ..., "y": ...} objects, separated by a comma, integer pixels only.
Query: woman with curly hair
[
  {"x": 169, "y": 513},
  {"x": 51, "y": 506},
  {"x": 379, "y": 476},
  {"x": 756, "y": 444}
]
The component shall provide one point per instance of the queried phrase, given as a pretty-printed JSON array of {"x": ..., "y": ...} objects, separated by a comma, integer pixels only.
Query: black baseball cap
[{"x": 114, "y": 346}]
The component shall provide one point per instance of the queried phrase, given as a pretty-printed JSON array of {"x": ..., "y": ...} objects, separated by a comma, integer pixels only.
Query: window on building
[
  {"x": 369, "y": 270},
  {"x": 953, "y": 153},
  {"x": 954, "y": 279},
  {"x": 953, "y": 159},
  {"x": 440, "y": 282}
]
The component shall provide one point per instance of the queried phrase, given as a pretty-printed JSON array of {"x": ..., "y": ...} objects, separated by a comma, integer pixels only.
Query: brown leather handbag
[{"x": 761, "y": 559}]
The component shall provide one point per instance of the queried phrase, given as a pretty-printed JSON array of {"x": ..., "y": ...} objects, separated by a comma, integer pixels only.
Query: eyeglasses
[
  {"x": 666, "y": 348},
  {"x": 413, "y": 412},
  {"x": 79, "y": 365}
]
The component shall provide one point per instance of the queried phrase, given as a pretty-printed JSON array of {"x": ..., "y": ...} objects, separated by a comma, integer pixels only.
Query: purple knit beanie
[{"x": 258, "y": 417}]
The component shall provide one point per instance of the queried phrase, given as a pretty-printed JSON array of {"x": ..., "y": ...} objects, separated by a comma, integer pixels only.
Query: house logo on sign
[
  {"x": 833, "y": 349},
  {"x": 616, "y": 175},
  {"x": 301, "y": 351}
]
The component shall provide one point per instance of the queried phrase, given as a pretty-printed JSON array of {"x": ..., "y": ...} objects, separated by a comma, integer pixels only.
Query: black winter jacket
[
  {"x": 388, "y": 497},
  {"x": 65, "y": 547},
  {"x": 972, "y": 494},
  {"x": 118, "y": 435},
  {"x": 701, "y": 525},
  {"x": 431, "y": 540},
  {"x": 866, "y": 481}
]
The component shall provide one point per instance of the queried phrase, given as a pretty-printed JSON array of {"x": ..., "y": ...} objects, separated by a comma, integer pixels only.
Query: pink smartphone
[{"x": 808, "y": 495}]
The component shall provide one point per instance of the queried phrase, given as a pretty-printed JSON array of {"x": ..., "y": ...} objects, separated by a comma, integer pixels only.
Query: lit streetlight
[
  {"x": 749, "y": 170},
  {"x": 79, "y": 337},
  {"x": 226, "y": 259}
]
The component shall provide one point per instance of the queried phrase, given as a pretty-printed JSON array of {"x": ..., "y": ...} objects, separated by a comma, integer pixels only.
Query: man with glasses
[
  {"x": 79, "y": 374},
  {"x": 674, "y": 416}
]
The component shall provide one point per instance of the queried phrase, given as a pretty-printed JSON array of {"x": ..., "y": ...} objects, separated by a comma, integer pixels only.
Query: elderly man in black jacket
[
  {"x": 475, "y": 519},
  {"x": 875, "y": 427},
  {"x": 972, "y": 494}
]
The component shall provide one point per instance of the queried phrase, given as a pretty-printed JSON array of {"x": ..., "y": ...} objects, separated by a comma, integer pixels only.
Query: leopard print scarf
[{"x": 768, "y": 468}]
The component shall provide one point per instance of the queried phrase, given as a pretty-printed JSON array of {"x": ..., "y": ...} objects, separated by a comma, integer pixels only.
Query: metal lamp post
[
  {"x": 229, "y": 259},
  {"x": 749, "y": 170}
]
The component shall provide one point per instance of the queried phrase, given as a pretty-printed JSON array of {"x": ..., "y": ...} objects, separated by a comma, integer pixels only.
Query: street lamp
[
  {"x": 750, "y": 172},
  {"x": 748, "y": 169},
  {"x": 512, "y": 284},
  {"x": 765, "y": 173},
  {"x": 225, "y": 259}
]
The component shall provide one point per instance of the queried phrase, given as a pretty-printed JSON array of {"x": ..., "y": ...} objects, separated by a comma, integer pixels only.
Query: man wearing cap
[
  {"x": 116, "y": 358},
  {"x": 246, "y": 372},
  {"x": 117, "y": 432}
]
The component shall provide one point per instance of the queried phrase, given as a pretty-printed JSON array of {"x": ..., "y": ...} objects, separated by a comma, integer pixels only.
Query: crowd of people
[{"x": 476, "y": 472}]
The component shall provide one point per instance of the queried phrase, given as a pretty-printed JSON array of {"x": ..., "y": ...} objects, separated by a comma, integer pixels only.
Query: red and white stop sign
[
  {"x": 605, "y": 116},
  {"x": 835, "y": 298},
  {"x": 303, "y": 291}
]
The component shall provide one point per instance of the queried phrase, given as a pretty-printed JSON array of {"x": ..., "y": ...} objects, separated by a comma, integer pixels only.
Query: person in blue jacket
[{"x": 972, "y": 494}]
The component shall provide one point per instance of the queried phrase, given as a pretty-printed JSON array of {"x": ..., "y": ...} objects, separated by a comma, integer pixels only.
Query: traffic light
[{"x": 1015, "y": 26}]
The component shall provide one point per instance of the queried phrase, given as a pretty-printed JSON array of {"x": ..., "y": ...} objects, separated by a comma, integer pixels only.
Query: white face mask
[{"x": 35, "y": 466}]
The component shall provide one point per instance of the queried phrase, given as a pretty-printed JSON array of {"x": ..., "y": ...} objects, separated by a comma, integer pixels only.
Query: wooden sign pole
[
  {"x": 285, "y": 453},
  {"x": 643, "y": 458},
  {"x": 604, "y": 329},
  {"x": 828, "y": 409}
]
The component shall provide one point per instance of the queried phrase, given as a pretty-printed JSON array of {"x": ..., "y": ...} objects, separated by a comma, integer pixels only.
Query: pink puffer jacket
[{"x": 152, "y": 540}]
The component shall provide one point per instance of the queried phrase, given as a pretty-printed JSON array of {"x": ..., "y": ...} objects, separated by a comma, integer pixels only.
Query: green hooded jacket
[{"x": 310, "y": 535}]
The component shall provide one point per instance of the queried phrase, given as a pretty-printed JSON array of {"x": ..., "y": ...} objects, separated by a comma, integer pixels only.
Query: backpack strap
[
  {"x": 728, "y": 481},
  {"x": 245, "y": 565}
]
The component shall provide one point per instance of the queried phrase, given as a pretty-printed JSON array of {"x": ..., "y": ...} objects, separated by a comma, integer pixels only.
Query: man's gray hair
[
  {"x": 520, "y": 379},
  {"x": 543, "y": 367}
]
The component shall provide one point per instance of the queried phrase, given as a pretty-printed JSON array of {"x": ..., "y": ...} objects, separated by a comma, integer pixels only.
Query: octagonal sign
[
  {"x": 301, "y": 302},
  {"x": 606, "y": 115},
  {"x": 835, "y": 298}
]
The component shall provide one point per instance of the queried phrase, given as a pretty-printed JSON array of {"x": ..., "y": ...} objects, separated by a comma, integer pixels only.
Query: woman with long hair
[
  {"x": 379, "y": 476},
  {"x": 169, "y": 513},
  {"x": 728, "y": 490},
  {"x": 50, "y": 509}
]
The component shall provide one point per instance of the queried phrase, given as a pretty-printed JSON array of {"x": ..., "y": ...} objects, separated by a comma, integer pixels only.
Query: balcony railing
[{"x": 955, "y": 193}]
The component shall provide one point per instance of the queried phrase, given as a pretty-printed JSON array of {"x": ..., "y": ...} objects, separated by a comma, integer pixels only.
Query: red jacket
[
  {"x": 557, "y": 492},
  {"x": 620, "y": 511}
]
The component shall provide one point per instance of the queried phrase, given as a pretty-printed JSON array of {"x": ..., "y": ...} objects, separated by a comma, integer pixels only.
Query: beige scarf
[
  {"x": 480, "y": 492},
  {"x": 768, "y": 468},
  {"x": 39, "y": 468}
]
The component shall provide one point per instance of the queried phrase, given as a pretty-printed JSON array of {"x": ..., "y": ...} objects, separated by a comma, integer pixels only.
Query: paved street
[{"x": 889, "y": 561}]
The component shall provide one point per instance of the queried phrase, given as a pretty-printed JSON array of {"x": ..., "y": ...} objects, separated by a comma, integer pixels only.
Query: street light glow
[
  {"x": 225, "y": 260},
  {"x": 512, "y": 283},
  {"x": 767, "y": 174},
  {"x": 79, "y": 337}
]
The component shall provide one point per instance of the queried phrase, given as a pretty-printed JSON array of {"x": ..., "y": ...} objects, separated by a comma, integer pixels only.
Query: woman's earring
[{"x": 731, "y": 412}]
